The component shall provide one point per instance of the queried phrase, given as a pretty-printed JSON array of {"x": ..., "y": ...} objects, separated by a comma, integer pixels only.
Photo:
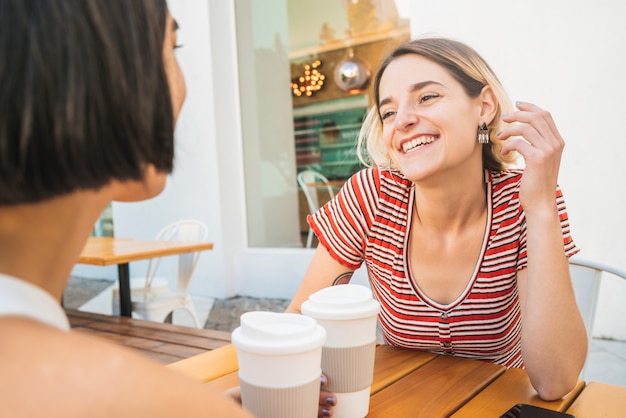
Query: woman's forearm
[{"x": 554, "y": 341}]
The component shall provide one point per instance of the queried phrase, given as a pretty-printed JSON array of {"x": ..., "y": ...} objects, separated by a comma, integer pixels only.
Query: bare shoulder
[{"x": 47, "y": 372}]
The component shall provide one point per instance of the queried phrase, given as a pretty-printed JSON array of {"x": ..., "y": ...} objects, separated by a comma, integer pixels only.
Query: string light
[{"x": 309, "y": 82}]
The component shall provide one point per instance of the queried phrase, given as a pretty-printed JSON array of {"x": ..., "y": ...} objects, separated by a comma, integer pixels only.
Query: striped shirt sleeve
[{"x": 342, "y": 225}]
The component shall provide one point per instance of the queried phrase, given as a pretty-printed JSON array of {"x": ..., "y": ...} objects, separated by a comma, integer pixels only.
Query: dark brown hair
[{"x": 84, "y": 97}]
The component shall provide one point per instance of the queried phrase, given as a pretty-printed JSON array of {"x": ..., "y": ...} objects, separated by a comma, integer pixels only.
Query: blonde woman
[{"x": 467, "y": 256}]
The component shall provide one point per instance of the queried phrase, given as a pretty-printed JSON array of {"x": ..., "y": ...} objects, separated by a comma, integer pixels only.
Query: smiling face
[{"x": 429, "y": 122}]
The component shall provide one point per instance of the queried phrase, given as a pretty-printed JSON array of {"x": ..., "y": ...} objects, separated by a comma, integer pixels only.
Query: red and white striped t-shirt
[{"x": 368, "y": 221}]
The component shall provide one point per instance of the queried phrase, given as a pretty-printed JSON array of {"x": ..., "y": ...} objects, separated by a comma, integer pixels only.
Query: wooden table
[
  {"x": 106, "y": 251},
  {"x": 165, "y": 343},
  {"x": 419, "y": 384}
]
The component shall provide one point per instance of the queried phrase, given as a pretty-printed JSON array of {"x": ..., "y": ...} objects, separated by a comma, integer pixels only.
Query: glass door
[{"x": 305, "y": 73}]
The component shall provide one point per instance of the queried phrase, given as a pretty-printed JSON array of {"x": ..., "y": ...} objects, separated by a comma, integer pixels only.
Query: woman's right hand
[
  {"x": 533, "y": 134},
  {"x": 327, "y": 400}
]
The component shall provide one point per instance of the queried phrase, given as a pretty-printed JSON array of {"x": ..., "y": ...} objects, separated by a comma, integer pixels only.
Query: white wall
[{"x": 567, "y": 57}]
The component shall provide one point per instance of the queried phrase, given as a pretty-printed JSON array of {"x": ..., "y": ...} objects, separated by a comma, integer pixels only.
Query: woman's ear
[{"x": 488, "y": 104}]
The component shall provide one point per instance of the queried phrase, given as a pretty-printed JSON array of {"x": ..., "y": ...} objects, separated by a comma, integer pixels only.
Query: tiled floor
[{"x": 606, "y": 361}]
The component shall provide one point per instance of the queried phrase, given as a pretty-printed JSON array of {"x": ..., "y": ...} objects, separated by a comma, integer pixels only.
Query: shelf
[
  {"x": 326, "y": 137},
  {"x": 356, "y": 126},
  {"x": 336, "y": 106},
  {"x": 337, "y": 146},
  {"x": 310, "y": 131},
  {"x": 368, "y": 38},
  {"x": 339, "y": 163}
]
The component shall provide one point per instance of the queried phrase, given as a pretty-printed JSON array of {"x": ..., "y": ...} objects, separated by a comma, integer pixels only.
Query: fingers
[
  {"x": 327, "y": 400},
  {"x": 533, "y": 134},
  {"x": 541, "y": 115},
  {"x": 234, "y": 393},
  {"x": 531, "y": 129}
]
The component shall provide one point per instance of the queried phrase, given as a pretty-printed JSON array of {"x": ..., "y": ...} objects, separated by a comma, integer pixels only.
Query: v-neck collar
[{"x": 487, "y": 233}]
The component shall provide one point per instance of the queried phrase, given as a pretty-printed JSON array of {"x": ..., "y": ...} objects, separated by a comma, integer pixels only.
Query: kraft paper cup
[
  {"x": 348, "y": 313},
  {"x": 279, "y": 358}
]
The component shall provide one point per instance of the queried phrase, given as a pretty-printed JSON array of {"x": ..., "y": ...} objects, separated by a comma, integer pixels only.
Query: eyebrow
[
  {"x": 412, "y": 89},
  {"x": 175, "y": 26}
]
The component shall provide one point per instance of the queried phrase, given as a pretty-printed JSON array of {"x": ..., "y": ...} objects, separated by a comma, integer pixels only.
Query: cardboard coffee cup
[
  {"x": 279, "y": 357},
  {"x": 348, "y": 313}
]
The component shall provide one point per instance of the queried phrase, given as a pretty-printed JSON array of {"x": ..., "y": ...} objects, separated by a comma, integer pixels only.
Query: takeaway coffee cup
[
  {"x": 348, "y": 313},
  {"x": 279, "y": 357}
]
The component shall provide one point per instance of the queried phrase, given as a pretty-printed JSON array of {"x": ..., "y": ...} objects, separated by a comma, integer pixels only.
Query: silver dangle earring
[{"x": 483, "y": 134}]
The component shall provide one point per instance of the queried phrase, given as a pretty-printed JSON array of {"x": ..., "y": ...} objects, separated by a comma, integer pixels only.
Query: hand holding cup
[{"x": 348, "y": 313}]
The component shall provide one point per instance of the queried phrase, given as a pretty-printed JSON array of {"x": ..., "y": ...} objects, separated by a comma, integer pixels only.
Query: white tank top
[{"x": 20, "y": 298}]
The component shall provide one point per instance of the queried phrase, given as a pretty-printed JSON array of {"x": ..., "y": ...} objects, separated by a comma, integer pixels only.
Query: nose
[{"x": 406, "y": 118}]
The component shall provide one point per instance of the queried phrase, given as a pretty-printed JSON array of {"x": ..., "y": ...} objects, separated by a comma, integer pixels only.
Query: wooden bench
[{"x": 165, "y": 343}]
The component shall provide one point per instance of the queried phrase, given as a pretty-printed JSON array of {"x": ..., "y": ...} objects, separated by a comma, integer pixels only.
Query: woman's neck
[
  {"x": 40, "y": 242},
  {"x": 449, "y": 205}
]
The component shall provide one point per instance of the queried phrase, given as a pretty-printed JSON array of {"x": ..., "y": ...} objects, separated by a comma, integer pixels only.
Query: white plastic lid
[
  {"x": 346, "y": 301},
  {"x": 277, "y": 333}
]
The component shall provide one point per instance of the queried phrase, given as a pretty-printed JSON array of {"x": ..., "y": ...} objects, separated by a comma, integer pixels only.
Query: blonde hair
[{"x": 467, "y": 67}]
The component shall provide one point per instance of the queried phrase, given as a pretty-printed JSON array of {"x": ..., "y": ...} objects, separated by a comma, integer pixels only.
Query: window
[{"x": 304, "y": 71}]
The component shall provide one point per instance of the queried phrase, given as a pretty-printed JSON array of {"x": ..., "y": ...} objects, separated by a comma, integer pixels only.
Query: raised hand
[{"x": 533, "y": 134}]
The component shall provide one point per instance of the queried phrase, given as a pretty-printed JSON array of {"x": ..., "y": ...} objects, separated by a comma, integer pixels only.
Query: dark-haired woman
[{"x": 90, "y": 91}]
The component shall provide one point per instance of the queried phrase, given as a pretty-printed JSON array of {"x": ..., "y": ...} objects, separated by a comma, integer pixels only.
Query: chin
[{"x": 416, "y": 174}]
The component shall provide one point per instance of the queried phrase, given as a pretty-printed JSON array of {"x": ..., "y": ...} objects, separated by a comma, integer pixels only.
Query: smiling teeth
[{"x": 407, "y": 146}]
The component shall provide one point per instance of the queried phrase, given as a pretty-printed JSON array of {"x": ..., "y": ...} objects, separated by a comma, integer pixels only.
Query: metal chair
[
  {"x": 152, "y": 297},
  {"x": 310, "y": 181},
  {"x": 586, "y": 276}
]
